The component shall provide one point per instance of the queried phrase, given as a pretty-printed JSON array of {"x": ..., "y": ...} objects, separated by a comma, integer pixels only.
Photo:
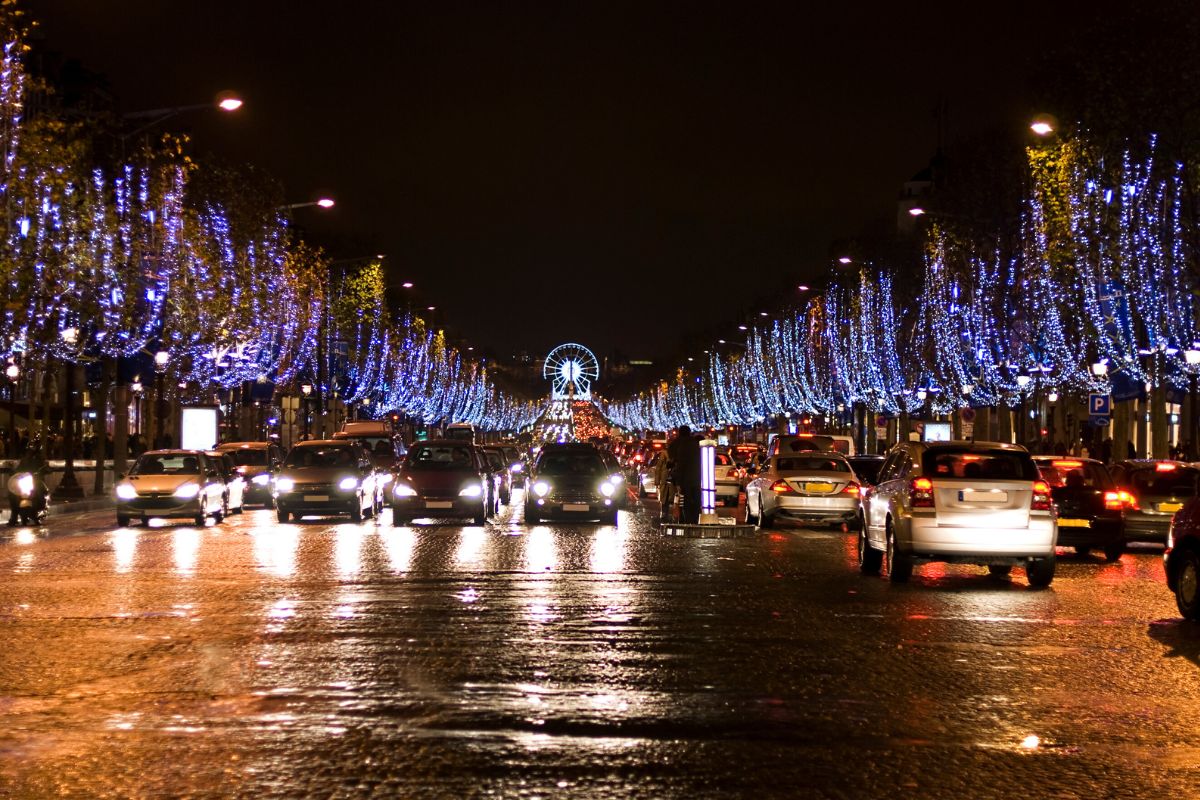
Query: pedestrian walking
[{"x": 684, "y": 452}]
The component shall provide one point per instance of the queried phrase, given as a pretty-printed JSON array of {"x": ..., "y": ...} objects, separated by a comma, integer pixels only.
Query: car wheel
[
  {"x": 201, "y": 517},
  {"x": 1082, "y": 550},
  {"x": 399, "y": 519},
  {"x": 869, "y": 559},
  {"x": 356, "y": 513},
  {"x": 1040, "y": 571},
  {"x": 531, "y": 516},
  {"x": 270, "y": 503},
  {"x": 751, "y": 519},
  {"x": 505, "y": 497},
  {"x": 609, "y": 519},
  {"x": 899, "y": 565},
  {"x": 999, "y": 570},
  {"x": 1187, "y": 584},
  {"x": 641, "y": 491},
  {"x": 282, "y": 515},
  {"x": 765, "y": 519},
  {"x": 122, "y": 520},
  {"x": 480, "y": 519},
  {"x": 1114, "y": 550}
]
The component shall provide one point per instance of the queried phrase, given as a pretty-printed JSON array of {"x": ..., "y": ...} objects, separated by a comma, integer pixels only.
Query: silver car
[
  {"x": 811, "y": 488},
  {"x": 959, "y": 502}
]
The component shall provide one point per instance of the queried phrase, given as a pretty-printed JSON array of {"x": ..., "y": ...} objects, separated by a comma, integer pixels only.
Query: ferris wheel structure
[{"x": 571, "y": 368}]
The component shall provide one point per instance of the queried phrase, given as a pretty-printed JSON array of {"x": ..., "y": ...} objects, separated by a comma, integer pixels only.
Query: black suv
[{"x": 571, "y": 480}]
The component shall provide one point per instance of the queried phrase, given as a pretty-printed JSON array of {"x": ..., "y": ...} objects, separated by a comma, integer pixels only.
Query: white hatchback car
[{"x": 959, "y": 502}]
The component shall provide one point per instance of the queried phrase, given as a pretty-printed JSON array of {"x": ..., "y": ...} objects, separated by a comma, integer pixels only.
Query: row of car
[{"x": 976, "y": 502}]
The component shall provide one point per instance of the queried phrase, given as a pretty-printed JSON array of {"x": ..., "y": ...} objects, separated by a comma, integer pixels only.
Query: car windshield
[
  {"x": 810, "y": 464},
  {"x": 978, "y": 464},
  {"x": 1179, "y": 482},
  {"x": 440, "y": 457},
  {"x": 247, "y": 457},
  {"x": 560, "y": 464},
  {"x": 321, "y": 457},
  {"x": 175, "y": 464},
  {"x": 495, "y": 459},
  {"x": 1075, "y": 474}
]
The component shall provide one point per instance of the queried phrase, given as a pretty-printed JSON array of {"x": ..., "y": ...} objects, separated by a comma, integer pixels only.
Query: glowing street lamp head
[
  {"x": 917, "y": 211},
  {"x": 13, "y": 372},
  {"x": 228, "y": 101},
  {"x": 70, "y": 335},
  {"x": 161, "y": 358},
  {"x": 845, "y": 260},
  {"x": 1043, "y": 124},
  {"x": 326, "y": 202},
  {"x": 406, "y": 285}
]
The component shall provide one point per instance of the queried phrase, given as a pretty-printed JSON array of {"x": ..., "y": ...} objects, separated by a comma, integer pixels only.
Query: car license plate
[
  {"x": 316, "y": 498},
  {"x": 439, "y": 504},
  {"x": 1074, "y": 523},
  {"x": 576, "y": 507},
  {"x": 822, "y": 488},
  {"x": 1169, "y": 508},
  {"x": 983, "y": 497}
]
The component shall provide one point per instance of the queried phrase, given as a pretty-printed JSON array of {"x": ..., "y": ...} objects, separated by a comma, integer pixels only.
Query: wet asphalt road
[{"x": 328, "y": 659}]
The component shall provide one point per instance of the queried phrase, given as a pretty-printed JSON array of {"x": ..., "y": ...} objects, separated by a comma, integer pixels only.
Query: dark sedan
[
  {"x": 1091, "y": 508},
  {"x": 1157, "y": 489},
  {"x": 326, "y": 477},
  {"x": 571, "y": 480}
]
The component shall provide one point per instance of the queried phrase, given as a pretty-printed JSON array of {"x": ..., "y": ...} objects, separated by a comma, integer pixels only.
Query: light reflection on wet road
[{"x": 331, "y": 659}]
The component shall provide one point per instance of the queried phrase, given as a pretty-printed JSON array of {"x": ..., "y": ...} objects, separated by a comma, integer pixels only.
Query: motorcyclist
[{"x": 33, "y": 462}]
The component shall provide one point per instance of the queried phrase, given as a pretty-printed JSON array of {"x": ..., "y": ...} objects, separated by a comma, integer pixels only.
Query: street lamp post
[
  {"x": 160, "y": 405},
  {"x": 226, "y": 101},
  {"x": 305, "y": 390},
  {"x": 13, "y": 373},
  {"x": 1192, "y": 357}
]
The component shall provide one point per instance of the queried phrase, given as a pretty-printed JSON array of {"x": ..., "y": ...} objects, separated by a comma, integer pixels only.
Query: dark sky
[{"x": 602, "y": 172}]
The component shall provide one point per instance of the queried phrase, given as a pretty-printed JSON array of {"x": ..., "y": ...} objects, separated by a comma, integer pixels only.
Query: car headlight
[
  {"x": 607, "y": 489},
  {"x": 261, "y": 480},
  {"x": 187, "y": 491},
  {"x": 25, "y": 485},
  {"x": 125, "y": 491},
  {"x": 616, "y": 480},
  {"x": 348, "y": 484},
  {"x": 541, "y": 488},
  {"x": 388, "y": 478},
  {"x": 285, "y": 484},
  {"x": 517, "y": 467},
  {"x": 473, "y": 490},
  {"x": 404, "y": 490}
]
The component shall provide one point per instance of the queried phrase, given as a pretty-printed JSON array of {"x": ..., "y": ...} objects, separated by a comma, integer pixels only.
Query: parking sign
[{"x": 1099, "y": 405}]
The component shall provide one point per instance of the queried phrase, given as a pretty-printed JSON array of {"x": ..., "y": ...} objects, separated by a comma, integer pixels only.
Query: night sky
[{"x": 607, "y": 172}]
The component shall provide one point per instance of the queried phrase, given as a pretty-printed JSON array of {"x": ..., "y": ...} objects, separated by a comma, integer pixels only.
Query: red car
[{"x": 442, "y": 478}]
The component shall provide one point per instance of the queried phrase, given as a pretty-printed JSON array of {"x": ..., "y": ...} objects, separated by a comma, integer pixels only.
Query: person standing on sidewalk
[
  {"x": 684, "y": 453},
  {"x": 662, "y": 482}
]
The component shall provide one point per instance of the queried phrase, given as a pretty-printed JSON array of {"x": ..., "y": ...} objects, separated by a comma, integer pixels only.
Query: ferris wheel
[{"x": 571, "y": 368}]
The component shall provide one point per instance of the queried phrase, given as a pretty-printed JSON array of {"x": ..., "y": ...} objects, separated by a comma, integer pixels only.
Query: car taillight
[
  {"x": 1129, "y": 498},
  {"x": 781, "y": 487},
  {"x": 920, "y": 493},
  {"x": 1041, "y": 496},
  {"x": 1113, "y": 501},
  {"x": 851, "y": 488}
]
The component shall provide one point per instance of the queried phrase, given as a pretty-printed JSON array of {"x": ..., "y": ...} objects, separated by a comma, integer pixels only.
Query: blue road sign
[
  {"x": 1099, "y": 405},
  {"x": 1098, "y": 421}
]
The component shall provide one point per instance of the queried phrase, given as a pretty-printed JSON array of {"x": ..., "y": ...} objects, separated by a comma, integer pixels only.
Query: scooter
[{"x": 28, "y": 499}]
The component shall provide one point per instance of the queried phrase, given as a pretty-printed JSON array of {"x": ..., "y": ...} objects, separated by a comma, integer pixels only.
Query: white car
[
  {"x": 810, "y": 488},
  {"x": 171, "y": 483},
  {"x": 959, "y": 502},
  {"x": 235, "y": 482},
  {"x": 728, "y": 479}
]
